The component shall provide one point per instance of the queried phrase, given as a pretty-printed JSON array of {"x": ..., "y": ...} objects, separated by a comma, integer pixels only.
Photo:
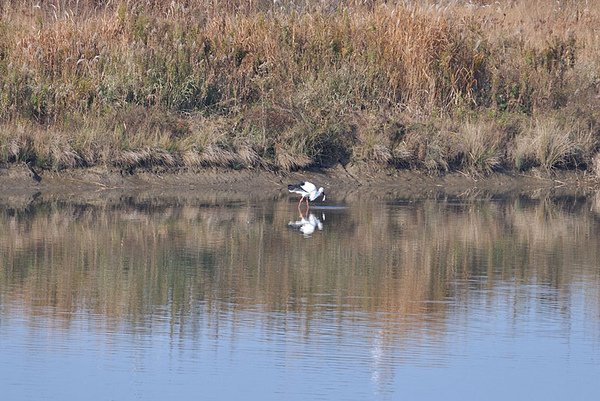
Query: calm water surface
[{"x": 154, "y": 299}]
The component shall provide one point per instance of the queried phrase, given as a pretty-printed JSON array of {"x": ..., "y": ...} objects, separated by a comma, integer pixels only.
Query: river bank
[{"x": 341, "y": 184}]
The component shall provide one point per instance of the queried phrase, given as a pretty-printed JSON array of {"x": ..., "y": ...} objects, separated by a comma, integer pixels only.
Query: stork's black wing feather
[{"x": 292, "y": 187}]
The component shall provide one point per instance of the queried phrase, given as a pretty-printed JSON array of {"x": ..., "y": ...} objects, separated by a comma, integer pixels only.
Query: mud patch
[{"x": 96, "y": 184}]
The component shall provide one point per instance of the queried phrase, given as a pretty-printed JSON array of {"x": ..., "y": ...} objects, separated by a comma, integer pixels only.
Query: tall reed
[{"x": 290, "y": 84}]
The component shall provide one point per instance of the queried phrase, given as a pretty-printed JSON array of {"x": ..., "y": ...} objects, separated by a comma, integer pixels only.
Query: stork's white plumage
[{"x": 307, "y": 190}]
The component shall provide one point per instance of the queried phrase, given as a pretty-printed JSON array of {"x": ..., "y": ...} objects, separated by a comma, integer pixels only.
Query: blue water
[{"x": 381, "y": 303}]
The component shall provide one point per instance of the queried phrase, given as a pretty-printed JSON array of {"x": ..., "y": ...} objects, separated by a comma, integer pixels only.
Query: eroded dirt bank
[{"x": 17, "y": 184}]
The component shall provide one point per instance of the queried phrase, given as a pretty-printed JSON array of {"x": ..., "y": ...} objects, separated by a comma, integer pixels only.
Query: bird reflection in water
[{"x": 307, "y": 225}]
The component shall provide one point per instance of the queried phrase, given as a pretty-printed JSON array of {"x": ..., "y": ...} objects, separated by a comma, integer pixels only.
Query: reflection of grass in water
[{"x": 127, "y": 262}]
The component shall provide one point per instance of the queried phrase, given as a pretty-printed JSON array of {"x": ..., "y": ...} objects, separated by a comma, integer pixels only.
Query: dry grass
[
  {"x": 553, "y": 144},
  {"x": 483, "y": 147},
  {"x": 290, "y": 84},
  {"x": 596, "y": 166}
]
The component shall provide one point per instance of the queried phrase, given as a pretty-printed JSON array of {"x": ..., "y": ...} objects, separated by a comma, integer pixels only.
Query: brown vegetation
[{"x": 447, "y": 85}]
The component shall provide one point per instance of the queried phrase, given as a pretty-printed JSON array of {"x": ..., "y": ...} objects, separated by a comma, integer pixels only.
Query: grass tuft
[
  {"x": 551, "y": 144},
  {"x": 483, "y": 147}
]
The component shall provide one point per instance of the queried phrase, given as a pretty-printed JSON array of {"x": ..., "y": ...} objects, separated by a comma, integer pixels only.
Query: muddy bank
[{"x": 103, "y": 184}]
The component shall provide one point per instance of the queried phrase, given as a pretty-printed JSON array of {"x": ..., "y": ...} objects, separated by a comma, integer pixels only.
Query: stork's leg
[{"x": 307, "y": 205}]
